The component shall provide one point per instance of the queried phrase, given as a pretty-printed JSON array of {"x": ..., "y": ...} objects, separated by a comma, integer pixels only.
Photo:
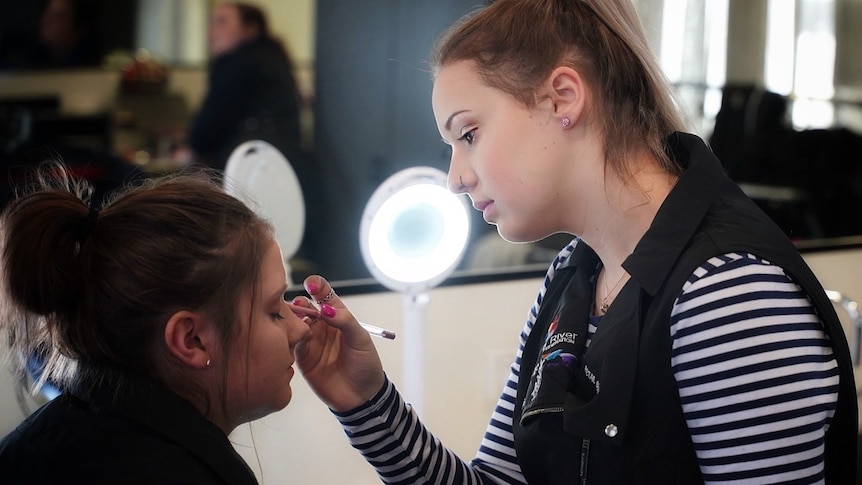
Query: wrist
[{"x": 374, "y": 404}]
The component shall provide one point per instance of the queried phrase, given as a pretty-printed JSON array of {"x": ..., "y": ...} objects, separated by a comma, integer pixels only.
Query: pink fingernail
[
  {"x": 298, "y": 301},
  {"x": 327, "y": 310},
  {"x": 311, "y": 288}
]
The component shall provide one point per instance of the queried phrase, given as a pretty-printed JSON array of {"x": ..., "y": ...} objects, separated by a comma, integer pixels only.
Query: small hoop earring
[{"x": 565, "y": 122}]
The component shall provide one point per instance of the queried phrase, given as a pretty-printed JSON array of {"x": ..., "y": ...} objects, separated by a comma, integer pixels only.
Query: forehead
[
  {"x": 456, "y": 83},
  {"x": 455, "y": 76},
  {"x": 225, "y": 13},
  {"x": 272, "y": 272}
]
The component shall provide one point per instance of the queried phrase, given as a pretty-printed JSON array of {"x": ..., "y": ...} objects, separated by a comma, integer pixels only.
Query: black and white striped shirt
[{"x": 755, "y": 370}]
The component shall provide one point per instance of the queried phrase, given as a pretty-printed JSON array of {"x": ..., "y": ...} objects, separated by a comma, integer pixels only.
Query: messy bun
[
  {"x": 41, "y": 271},
  {"x": 42, "y": 253}
]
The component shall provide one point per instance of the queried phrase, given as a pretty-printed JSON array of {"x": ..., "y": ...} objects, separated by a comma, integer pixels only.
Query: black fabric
[
  {"x": 134, "y": 433},
  {"x": 633, "y": 430},
  {"x": 252, "y": 95}
]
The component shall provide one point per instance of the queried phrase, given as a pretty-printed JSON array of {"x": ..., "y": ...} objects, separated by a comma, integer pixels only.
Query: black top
[
  {"x": 135, "y": 433},
  {"x": 252, "y": 95}
]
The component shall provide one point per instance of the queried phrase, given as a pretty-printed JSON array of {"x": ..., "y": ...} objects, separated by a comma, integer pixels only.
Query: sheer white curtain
[
  {"x": 803, "y": 49},
  {"x": 690, "y": 39},
  {"x": 173, "y": 31}
]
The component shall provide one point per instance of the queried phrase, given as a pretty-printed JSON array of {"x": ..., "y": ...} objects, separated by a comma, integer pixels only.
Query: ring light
[
  {"x": 413, "y": 230},
  {"x": 412, "y": 236}
]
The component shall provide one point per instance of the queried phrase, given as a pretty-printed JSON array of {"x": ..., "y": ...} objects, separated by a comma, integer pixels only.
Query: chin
[
  {"x": 285, "y": 400},
  {"x": 517, "y": 237},
  {"x": 277, "y": 403}
]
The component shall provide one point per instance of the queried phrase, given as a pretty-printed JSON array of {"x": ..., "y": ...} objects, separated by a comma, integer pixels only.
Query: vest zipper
[
  {"x": 535, "y": 412},
  {"x": 585, "y": 456}
]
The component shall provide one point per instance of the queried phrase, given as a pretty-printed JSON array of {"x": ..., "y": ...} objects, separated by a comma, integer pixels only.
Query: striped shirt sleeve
[
  {"x": 755, "y": 371},
  {"x": 392, "y": 439}
]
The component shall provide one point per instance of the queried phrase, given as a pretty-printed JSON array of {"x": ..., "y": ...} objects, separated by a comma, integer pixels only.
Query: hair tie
[{"x": 91, "y": 217}]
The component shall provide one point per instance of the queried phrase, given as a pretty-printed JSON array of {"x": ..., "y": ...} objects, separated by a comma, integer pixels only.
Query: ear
[
  {"x": 190, "y": 337},
  {"x": 568, "y": 93}
]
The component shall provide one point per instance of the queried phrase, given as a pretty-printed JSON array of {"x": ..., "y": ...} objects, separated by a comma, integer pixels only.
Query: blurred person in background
[{"x": 252, "y": 92}]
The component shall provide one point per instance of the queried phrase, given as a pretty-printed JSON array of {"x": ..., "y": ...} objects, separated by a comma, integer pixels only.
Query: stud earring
[
  {"x": 209, "y": 362},
  {"x": 565, "y": 122}
]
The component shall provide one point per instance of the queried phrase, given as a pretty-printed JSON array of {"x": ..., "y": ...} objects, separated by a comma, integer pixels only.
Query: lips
[
  {"x": 485, "y": 207},
  {"x": 480, "y": 206}
]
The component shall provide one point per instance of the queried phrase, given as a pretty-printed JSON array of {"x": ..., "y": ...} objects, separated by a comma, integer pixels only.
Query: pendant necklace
[{"x": 605, "y": 304}]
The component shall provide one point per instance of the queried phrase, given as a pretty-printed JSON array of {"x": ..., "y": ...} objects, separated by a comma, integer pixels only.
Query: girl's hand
[{"x": 339, "y": 360}]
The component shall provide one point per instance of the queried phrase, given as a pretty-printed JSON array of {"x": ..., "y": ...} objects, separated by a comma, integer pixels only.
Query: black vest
[{"x": 633, "y": 429}]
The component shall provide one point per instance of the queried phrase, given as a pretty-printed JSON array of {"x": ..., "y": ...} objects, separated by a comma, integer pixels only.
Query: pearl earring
[{"x": 565, "y": 122}]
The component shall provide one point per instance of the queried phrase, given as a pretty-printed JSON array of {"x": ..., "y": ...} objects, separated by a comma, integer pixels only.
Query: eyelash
[
  {"x": 468, "y": 137},
  {"x": 276, "y": 316}
]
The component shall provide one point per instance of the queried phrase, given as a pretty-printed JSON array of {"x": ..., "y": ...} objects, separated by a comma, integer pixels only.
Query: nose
[
  {"x": 297, "y": 330},
  {"x": 455, "y": 183},
  {"x": 460, "y": 178}
]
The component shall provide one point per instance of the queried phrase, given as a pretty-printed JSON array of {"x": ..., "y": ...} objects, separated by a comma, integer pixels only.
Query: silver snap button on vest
[{"x": 611, "y": 430}]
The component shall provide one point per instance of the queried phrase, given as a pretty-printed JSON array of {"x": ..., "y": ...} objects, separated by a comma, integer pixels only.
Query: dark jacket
[
  {"x": 252, "y": 95},
  {"x": 137, "y": 433},
  {"x": 635, "y": 425}
]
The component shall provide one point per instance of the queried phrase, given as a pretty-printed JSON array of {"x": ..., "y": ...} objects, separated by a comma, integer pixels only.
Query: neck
[
  {"x": 630, "y": 207},
  {"x": 620, "y": 224}
]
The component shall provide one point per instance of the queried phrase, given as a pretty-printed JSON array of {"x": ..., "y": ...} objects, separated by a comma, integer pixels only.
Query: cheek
[
  {"x": 503, "y": 173},
  {"x": 271, "y": 341}
]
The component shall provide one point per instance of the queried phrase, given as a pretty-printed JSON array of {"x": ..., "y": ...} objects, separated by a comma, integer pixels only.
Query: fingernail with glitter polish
[{"x": 327, "y": 310}]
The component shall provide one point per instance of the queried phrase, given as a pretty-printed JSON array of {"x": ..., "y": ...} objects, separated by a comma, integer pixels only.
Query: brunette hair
[
  {"x": 94, "y": 287},
  {"x": 515, "y": 44},
  {"x": 252, "y": 16}
]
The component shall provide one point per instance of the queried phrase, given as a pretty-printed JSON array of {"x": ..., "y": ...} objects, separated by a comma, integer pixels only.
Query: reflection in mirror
[
  {"x": 173, "y": 32},
  {"x": 783, "y": 111},
  {"x": 775, "y": 86},
  {"x": 64, "y": 34}
]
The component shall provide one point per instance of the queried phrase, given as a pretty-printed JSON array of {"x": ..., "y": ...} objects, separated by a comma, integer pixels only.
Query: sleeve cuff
[{"x": 385, "y": 398}]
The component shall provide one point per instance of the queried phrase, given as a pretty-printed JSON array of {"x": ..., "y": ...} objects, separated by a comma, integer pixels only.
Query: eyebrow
[{"x": 451, "y": 117}]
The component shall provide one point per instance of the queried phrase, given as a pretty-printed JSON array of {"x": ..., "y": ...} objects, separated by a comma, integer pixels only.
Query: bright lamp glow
[{"x": 413, "y": 230}]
